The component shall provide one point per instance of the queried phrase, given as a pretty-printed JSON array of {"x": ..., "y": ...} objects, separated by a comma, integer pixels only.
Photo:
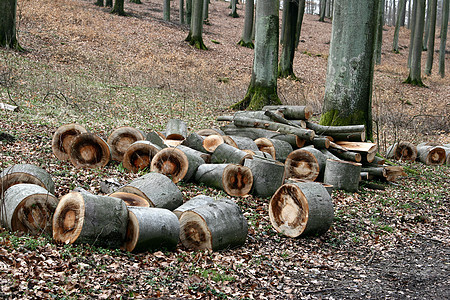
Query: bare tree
[
  {"x": 195, "y": 37},
  {"x": 8, "y": 35},
  {"x": 246, "y": 39},
  {"x": 414, "y": 77},
  {"x": 444, "y": 25},
  {"x": 286, "y": 66},
  {"x": 431, "y": 36}
]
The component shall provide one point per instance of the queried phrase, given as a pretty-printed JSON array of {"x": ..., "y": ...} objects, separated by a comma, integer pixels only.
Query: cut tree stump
[
  {"x": 292, "y": 112},
  {"x": 393, "y": 172},
  {"x": 157, "y": 189},
  {"x": 225, "y": 153},
  {"x": 62, "y": 139},
  {"x": 268, "y": 175},
  {"x": 121, "y": 138},
  {"x": 139, "y": 156},
  {"x": 302, "y": 164},
  {"x": 235, "y": 180},
  {"x": 300, "y": 209},
  {"x": 91, "y": 219},
  {"x": 343, "y": 175},
  {"x": 176, "y": 130},
  {"x": 214, "y": 226},
  {"x": 277, "y": 148},
  {"x": 88, "y": 150},
  {"x": 28, "y": 208},
  {"x": 211, "y": 142},
  {"x": 192, "y": 203},
  {"x": 131, "y": 199},
  {"x": 171, "y": 162},
  {"x": 26, "y": 173},
  {"x": 431, "y": 155},
  {"x": 405, "y": 151},
  {"x": 151, "y": 228}
]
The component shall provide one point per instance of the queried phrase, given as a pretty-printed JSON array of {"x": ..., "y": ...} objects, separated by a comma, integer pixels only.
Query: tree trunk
[
  {"x": 192, "y": 203},
  {"x": 28, "y": 208},
  {"x": 348, "y": 90},
  {"x": 62, "y": 139},
  {"x": 157, "y": 189},
  {"x": 432, "y": 32},
  {"x": 176, "y": 130},
  {"x": 402, "y": 151},
  {"x": 235, "y": 180},
  {"x": 109, "y": 3},
  {"x": 300, "y": 209},
  {"x": 196, "y": 30},
  {"x": 263, "y": 85},
  {"x": 214, "y": 226},
  {"x": 195, "y": 142},
  {"x": 131, "y": 199},
  {"x": 286, "y": 66},
  {"x": 118, "y": 8},
  {"x": 431, "y": 155},
  {"x": 298, "y": 30},
  {"x": 26, "y": 173},
  {"x": 278, "y": 149},
  {"x": 412, "y": 33},
  {"x": 181, "y": 4},
  {"x": 166, "y": 10},
  {"x": 150, "y": 229},
  {"x": 414, "y": 77},
  {"x": 444, "y": 26},
  {"x": 189, "y": 12},
  {"x": 401, "y": 14},
  {"x": 343, "y": 175},
  {"x": 225, "y": 153},
  {"x": 268, "y": 175},
  {"x": 88, "y": 150},
  {"x": 99, "y": 3},
  {"x": 323, "y": 5},
  {"x": 8, "y": 35},
  {"x": 205, "y": 11},
  {"x": 379, "y": 32},
  {"x": 139, "y": 156},
  {"x": 234, "y": 13},
  {"x": 121, "y": 138},
  {"x": 427, "y": 24},
  {"x": 90, "y": 219}
]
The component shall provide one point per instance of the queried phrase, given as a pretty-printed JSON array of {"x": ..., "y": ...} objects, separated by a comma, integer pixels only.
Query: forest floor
[{"x": 103, "y": 71}]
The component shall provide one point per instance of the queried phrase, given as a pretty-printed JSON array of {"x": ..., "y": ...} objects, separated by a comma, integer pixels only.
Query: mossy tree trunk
[
  {"x": 286, "y": 66},
  {"x": 118, "y": 8},
  {"x": 301, "y": 12},
  {"x": 415, "y": 70},
  {"x": 246, "y": 40},
  {"x": 8, "y": 36},
  {"x": 262, "y": 90},
  {"x": 444, "y": 25},
  {"x": 196, "y": 30},
  {"x": 401, "y": 13},
  {"x": 348, "y": 89},
  {"x": 431, "y": 36}
]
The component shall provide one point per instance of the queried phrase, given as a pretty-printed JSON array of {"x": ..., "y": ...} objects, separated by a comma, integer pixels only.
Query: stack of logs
[{"x": 431, "y": 154}]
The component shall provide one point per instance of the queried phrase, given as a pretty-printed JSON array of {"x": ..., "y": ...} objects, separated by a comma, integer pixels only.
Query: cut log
[
  {"x": 211, "y": 142},
  {"x": 367, "y": 150},
  {"x": 215, "y": 226},
  {"x": 328, "y": 187},
  {"x": 405, "y": 151},
  {"x": 28, "y": 208},
  {"x": 393, "y": 172},
  {"x": 330, "y": 130},
  {"x": 243, "y": 143},
  {"x": 151, "y": 228},
  {"x": 210, "y": 131},
  {"x": 235, "y": 180},
  {"x": 157, "y": 189},
  {"x": 192, "y": 203},
  {"x": 26, "y": 173},
  {"x": 88, "y": 150},
  {"x": 171, "y": 162},
  {"x": 276, "y": 117},
  {"x": 292, "y": 112},
  {"x": 268, "y": 175},
  {"x": 228, "y": 140},
  {"x": 346, "y": 155},
  {"x": 378, "y": 160},
  {"x": 319, "y": 142},
  {"x": 343, "y": 175},
  {"x": 156, "y": 139},
  {"x": 121, "y": 138},
  {"x": 195, "y": 142},
  {"x": 300, "y": 209},
  {"x": 131, "y": 199},
  {"x": 431, "y": 155},
  {"x": 189, "y": 151},
  {"x": 225, "y": 153},
  {"x": 62, "y": 139},
  {"x": 139, "y": 155},
  {"x": 173, "y": 143},
  {"x": 176, "y": 130},
  {"x": 377, "y": 172},
  {"x": 328, "y": 154},
  {"x": 300, "y": 132},
  {"x": 276, "y": 148},
  {"x": 91, "y": 219},
  {"x": 302, "y": 164}
]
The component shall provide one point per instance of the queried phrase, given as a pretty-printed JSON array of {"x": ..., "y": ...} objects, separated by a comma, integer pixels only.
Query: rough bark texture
[
  {"x": 444, "y": 27},
  {"x": 118, "y": 8},
  {"x": 26, "y": 173},
  {"x": 343, "y": 175},
  {"x": 415, "y": 77},
  {"x": 192, "y": 203},
  {"x": 348, "y": 89},
  {"x": 246, "y": 40},
  {"x": 268, "y": 175},
  {"x": 121, "y": 138},
  {"x": 8, "y": 37},
  {"x": 62, "y": 139},
  {"x": 195, "y": 37},
  {"x": 286, "y": 66}
]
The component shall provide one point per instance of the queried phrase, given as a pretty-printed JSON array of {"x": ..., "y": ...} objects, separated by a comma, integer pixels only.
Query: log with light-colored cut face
[
  {"x": 192, "y": 203},
  {"x": 139, "y": 155},
  {"x": 26, "y": 173},
  {"x": 211, "y": 142},
  {"x": 121, "y": 138},
  {"x": 302, "y": 164},
  {"x": 431, "y": 155},
  {"x": 171, "y": 162},
  {"x": 278, "y": 149},
  {"x": 265, "y": 145},
  {"x": 210, "y": 131},
  {"x": 69, "y": 218},
  {"x": 62, "y": 139},
  {"x": 89, "y": 151},
  {"x": 131, "y": 199}
]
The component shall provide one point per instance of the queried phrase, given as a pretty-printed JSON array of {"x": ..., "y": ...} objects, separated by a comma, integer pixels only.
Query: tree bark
[
  {"x": 298, "y": 30},
  {"x": 401, "y": 14},
  {"x": 444, "y": 26},
  {"x": 414, "y": 77},
  {"x": 118, "y": 8},
  {"x": 8, "y": 34},
  {"x": 412, "y": 31},
  {"x": 431, "y": 155},
  {"x": 323, "y": 5},
  {"x": 286, "y": 65},
  {"x": 225, "y": 153},
  {"x": 26, "y": 173},
  {"x": 192, "y": 203},
  {"x": 426, "y": 29},
  {"x": 278, "y": 149},
  {"x": 246, "y": 40},
  {"x": 62, "y": 139},
  {"x": 405, "y": 151},
  {"x": 166, "y": 10},
  {"x": 431, "y": 33},
  {"x": 379, "y": 32},
  {"x": 292, "y": 112},
  {"x": 176, "y": 130},
  {"x": 121, "y": 138},
  {"x": 234, "y": 13},
  {"x": 268, "y": 175},
  {"x": 196, "y": 29},
  {"x": 195, "y": 142},
  {"x": 343, "y": 175},
  {"x": 192, "y": 152},
  {"x": 181, "y": 12}
]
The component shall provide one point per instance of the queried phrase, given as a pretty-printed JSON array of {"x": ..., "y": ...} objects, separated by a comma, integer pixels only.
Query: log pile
[{"x": 431, "y": 154}]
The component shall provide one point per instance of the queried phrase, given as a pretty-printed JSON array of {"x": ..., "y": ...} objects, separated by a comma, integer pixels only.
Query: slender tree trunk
[
  {"x": 323, "y": 4},
  {"x": 414, "y": 77},
  {"x": 394, "y": 11},
  {"x": 444, "y": 25},
  {"x": 108, "y": 3},
  {"x": 246, "y": 39},
  {"x": 263, "y": 85},
  {"x": 413, "y": 29},
  {"x": 401, "y": 12},
  {"x": 189, "y": 11},
  {"x": 379, "y": 32},
  {"x": 166, "y": 10},
  {"x": 8, "y": 35},
  {"x": 283, "y": 22},
  {"x": 409, "y": 14},
  {"x": 118, "y": 8},
  {"x": 348, "y": 88},
  {"x": 431, "y": 36},
  {"x": 403, "y": 15},
  {"x": 206, "y": 11},
  {"x": 286, "y": 66},
  {"x": 99, "y": 3},
  {"x": 182, "y": 12},
  {"x": 427, "y": 26},
  {"x": 301, "y": 12},
  {"x": 234, "y": 13},
  {"x": 196, "y": 30}
]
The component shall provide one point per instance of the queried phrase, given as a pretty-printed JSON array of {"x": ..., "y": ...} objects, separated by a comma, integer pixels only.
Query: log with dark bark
[
  {"x": 278, "y": 149},
  {"x": 431, "y": 155},
  {"x": 131, "y": 199},
  {"x": 62, "y": 139},
  {"x": 151, "y": 228},
  {"x": 92, "y": 219},
  {"x": 157, "y": 189},
  {"x": 225, "y": 153},
  {"x": 26, "y": 173},
  {"x": 346, "y": 155},
  {"x": 121, "y": 138},
  {"x": 173, "y": 163},
  {"x": 88, "y": 150},
  {"x": 210, "y": 131},
  {"x": 354, "y": 133},
  {"x": 156, "y": 139},
  {"x": 292, "y": 112},
  {"x": 192, "y": 203},
  {"x": 28, "y": 208},
  {"x": 343, "y": 175},
  {"x": 268, "y": 175},
  {"x": 299, "y": 209},
  {"x": 206, "y": 157},
  {"x": 319, "y": 142},
  {"x": 139, "y": 155},
  {"x": 405, "y": 151},
  {"x": 176, "y": 130},
  {"x": 367, "y": 150},
  {"x": 235, "y": 180},
  {"x": 195, "y": 142},
  {"x": 214, "y": 226}
]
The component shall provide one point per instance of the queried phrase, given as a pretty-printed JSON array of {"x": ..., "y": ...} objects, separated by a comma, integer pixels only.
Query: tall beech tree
[
  {"x": 398, "y": 23},
  {"x": 444, "y": 25},
  {"x": 263, "y": 84},
  {"x": 379, "y": 32},
  {"x": 196, "y": 29},
  {"x": 323, "y": 6},
  {"x": 166, "y": 10},
  {"x": 286, "y": 66},
  {"x": 118, "y": 8},
  {"x": 431, "y": 36},
  {"x": 301, "y": 13},
  {"x": 415, "y": 76},
  {"x": 348, "y": 88},
  {"x": 8, "y": 35},
  {"x": 246, "y": 40}
]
